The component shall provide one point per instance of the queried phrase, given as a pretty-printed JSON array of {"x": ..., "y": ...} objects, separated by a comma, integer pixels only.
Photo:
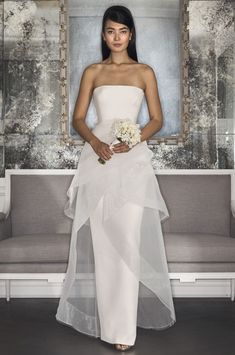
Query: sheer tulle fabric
[{"x": 117, "y": 209}]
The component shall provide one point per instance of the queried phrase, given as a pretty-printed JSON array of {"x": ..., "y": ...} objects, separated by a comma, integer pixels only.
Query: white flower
[{"x": 125, "y": 131}]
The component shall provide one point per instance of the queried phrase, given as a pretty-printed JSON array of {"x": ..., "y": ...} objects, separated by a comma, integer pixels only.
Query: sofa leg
[
  {"x": 8, "y": 290},
  {"x": 232, "y": 284}
]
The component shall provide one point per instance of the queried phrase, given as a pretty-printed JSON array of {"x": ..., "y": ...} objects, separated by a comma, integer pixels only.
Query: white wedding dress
[{"x": 117, "y": 275}]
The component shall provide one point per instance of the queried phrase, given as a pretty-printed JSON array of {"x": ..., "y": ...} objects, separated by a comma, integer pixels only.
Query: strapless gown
[{"x": 117, "y": 276}]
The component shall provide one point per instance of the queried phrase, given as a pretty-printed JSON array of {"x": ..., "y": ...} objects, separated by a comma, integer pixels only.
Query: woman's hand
[
  {"x": 120, "y": 148},
  {"x": 102, "y": 149}
]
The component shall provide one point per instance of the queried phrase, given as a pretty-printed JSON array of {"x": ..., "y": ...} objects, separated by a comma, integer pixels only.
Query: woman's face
[{"x": 116, "y": 35}]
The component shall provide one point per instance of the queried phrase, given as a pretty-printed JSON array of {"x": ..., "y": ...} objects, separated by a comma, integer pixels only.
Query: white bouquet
[{"x": 124, "y": 131}]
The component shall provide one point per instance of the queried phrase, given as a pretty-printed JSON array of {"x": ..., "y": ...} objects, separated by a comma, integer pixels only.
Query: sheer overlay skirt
[{"x": 117, "y": 275}]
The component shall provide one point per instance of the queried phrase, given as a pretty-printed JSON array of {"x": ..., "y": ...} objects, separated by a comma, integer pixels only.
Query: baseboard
[
  {"x": 201, "y": 288},
  {"x": 45, "y": 289}
]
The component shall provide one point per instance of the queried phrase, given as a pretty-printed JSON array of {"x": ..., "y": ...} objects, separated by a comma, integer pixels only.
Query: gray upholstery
[
  {"x": 62, "y": 267},
  {"x": 36, "y": 235},
  {"x": 37, "y": 204},
  {"x": 232, "y": 224},
  {"x": 34, "y": 267},
  {"x": 2, "y": 216},
  {"x": 199, "y": 248},
  {"x": 201, "y": 267},
  {"x": 197, "y": 203},
  {"x": 41, "y": 248},
  {"x": 5, "y": 227}
]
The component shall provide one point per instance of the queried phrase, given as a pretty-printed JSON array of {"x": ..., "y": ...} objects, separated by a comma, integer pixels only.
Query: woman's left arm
[{"x": 153, "y": 102}]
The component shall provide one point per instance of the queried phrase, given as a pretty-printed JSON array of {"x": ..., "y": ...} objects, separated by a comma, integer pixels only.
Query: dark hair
[{"x": 120, "y": 14}]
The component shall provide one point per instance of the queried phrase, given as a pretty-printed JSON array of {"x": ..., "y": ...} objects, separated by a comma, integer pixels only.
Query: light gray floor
[{"x": 204, "y": 325}]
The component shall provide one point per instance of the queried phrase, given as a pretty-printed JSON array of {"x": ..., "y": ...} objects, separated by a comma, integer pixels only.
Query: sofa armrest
[{"x": 5, "y": 226}]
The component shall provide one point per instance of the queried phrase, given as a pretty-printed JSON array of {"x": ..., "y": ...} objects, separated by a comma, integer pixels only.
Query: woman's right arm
[{"x": 81, "y": 107}]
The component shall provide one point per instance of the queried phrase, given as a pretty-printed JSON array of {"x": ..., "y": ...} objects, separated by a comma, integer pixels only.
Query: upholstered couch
[{"x": 199, "y": 234}]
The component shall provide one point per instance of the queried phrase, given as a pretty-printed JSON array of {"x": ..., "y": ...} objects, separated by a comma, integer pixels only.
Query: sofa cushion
[
  {"x": 199, "y": 267},
  {"x": 35, "y": 248},
  {"x": 197, "y": 203},
  {"x": 33, "y": 267},
  {"x": 194, "y": 247},
  {"x": 37, "y": 204}
]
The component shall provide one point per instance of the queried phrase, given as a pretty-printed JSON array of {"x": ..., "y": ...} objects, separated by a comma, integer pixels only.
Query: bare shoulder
[
  {"x": 147, "y": 69},
  {"x": 148, "y": 75},
  {"x": 89, "y": 74},
  {"x": 92, "y": 68}
]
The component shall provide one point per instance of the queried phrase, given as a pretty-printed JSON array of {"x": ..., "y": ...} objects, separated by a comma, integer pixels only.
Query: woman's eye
[{"x": 110, "y": 31}]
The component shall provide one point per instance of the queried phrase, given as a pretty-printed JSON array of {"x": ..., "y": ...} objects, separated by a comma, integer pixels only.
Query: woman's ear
[{"x": 130, "y": 35}]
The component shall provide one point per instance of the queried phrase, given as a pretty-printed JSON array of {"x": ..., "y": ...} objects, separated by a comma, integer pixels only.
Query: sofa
[{"x": 198, "y": 235}]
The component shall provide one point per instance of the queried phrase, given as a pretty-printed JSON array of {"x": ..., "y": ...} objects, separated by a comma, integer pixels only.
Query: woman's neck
[{"x": 118, "y": 58}]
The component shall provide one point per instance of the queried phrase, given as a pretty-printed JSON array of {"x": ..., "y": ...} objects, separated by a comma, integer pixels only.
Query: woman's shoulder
[
  {"x": 90, "y": 72},
  {"x": 142, "y": 66},
  {"x": 92, "y": 67},
  {"x": 145, "y": 67}
]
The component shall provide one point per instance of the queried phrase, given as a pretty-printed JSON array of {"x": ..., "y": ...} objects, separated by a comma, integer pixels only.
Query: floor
[{"x": 203, "y": 325}]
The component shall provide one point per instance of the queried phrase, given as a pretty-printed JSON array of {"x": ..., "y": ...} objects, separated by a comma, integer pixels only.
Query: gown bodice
[{"x": 117, "y": 102}]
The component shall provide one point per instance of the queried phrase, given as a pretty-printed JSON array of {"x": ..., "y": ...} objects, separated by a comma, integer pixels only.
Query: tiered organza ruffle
[{"x": 126, "y": 177}]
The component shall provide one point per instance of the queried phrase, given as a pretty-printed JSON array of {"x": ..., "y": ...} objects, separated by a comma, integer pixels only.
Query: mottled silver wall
[
  {"x": 1, "y": 93},
  {"x": 32, "y": 92}
]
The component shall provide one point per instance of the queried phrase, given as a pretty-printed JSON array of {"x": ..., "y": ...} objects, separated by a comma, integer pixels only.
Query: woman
[{"x": 117, "y": 276}]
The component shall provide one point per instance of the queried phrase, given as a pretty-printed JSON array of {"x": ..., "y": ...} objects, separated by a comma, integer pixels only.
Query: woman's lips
[{"x": 117, "y": 45}]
